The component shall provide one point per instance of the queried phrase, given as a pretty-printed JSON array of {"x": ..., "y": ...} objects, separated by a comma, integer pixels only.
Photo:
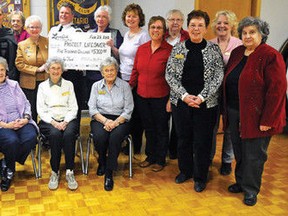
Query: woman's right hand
[{"x": 192, "y": 101}]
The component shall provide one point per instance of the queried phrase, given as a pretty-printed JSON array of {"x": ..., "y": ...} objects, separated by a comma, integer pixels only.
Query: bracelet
[
  {"x": 105, "y": 121},
  {"x": 27, "y": 116}
]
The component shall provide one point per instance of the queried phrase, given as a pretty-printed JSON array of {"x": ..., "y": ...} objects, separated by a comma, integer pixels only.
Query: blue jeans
[{"x": 17, "y": 144}]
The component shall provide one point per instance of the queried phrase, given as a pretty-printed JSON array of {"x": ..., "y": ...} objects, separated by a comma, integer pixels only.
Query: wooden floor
[{"x": 148, "y": 193}]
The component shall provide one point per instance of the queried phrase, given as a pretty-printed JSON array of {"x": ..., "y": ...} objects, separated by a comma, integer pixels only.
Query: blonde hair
[{"x": 232, "y": 19}]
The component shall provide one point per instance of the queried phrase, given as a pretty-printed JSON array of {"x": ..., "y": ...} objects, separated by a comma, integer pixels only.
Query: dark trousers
[
  {"x": 31, "y": 95},
  {"x": 172, "y": 139},
  {"x": 59, "y": 140},
  {"x": 17, "y": 144},
  {"x": 76, "y": 77},
  {"x": 108, "y": 144},
  {"x": 155, "y": 122},
  {"x": 250, "y": 155},
  {"x": 136, "y": 130},
  {"x": 194, "y": 128}
]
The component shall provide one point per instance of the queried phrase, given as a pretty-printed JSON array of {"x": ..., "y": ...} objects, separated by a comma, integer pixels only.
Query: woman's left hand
[
  {"x": 264, "y": 128},
  {"x": 110, "y": 43}
]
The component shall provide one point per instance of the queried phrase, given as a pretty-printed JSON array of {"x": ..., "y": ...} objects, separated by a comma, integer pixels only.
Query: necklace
[{"x": 132, "y": 35}]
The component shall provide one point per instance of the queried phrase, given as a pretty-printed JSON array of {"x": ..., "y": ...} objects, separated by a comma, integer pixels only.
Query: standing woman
[
  {"x": 225, "y": 27},
  {"x": 134, "y": 18},
  {"x": 254, "y": 95},
  {"x": 18, "y": 132},
  {"x": 17, "y": 21},
  {"x": 32, "y": 54},
  {"x": 148, "y": 75},
  {"x": 102, "y": 17},
  {"x": 194, "y": 73},
  {"x": 174, "y": 34}
]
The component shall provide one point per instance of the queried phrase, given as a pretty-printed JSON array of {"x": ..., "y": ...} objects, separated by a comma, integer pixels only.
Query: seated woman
[
  {"x": 110, "y": 106},
  {"x": 57, "y": 109},
  {"x": 18, "y": 132}
]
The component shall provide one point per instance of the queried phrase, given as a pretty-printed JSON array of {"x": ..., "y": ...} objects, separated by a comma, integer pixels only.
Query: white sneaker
[
  {"x": 72, "y": 183},
  {"x": 54, "y": 181}
]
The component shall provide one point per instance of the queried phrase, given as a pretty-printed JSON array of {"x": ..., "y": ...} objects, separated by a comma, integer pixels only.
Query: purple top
[
  {"x": 22, "y": 36},
  {"x": 21, "y": 103}
]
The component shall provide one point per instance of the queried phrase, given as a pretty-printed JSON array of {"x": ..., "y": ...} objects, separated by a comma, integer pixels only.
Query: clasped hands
[
  {"x": 15, "y": 125},
  {"x": 110, "y": 125},
  {"x": 59, "y": 125},
  {"x": 193, "y": 101}
]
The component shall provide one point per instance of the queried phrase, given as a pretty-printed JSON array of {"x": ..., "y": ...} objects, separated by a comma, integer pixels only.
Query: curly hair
[
  {"x": 262, "y": 27},
  {"x": 137, "y": 10},
  {"x": 232, "y": 20}
]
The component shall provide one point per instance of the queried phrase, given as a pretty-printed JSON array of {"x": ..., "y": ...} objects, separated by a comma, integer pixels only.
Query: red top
[
  {"x": 184, "y": 35},
  {"x": 148, "y": 72},
  {"x": 262, "y": 91}
]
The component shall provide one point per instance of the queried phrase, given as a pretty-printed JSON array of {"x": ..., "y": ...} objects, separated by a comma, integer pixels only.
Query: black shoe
[
  {"x": 181, "y": 177},
  {"x": 250, "y": 199},
  {"x": 101, "y": 170},
  {"x": 108, "y": 183},
  {"x": 6, "y": 179},
  {"x": 2, "y": 167},
  {"x": 225, "y": 169},
  {"x": 199, "y": 186},
  {"x": 235, "y": 188},
  {"x": 173, "y": 156}
]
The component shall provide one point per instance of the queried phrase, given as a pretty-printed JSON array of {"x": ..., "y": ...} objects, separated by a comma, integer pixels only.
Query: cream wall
[{"x": 272, "y": 11}]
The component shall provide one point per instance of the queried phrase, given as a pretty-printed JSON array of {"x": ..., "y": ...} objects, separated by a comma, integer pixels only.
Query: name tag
[
  {"x": 65, "y": 93},
  {"x": 101, "y": 92}
]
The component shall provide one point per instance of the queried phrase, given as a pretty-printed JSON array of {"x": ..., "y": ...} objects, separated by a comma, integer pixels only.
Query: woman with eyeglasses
[
  {"x": 174, "y": 34},
  {"x": 32, "y": 54},
  {"x": 148, "y": 75},
  {"x": 194, "y": 73}
]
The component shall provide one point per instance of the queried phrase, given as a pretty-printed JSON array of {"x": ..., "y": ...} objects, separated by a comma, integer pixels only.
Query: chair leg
[
  {"x": 88, "y": 154},
  {"x": 40, "y": 144},
  {"x": 130, "y": 157},
  {"x": 81, "y": 154},
  {"x": 34, "y": 164}
]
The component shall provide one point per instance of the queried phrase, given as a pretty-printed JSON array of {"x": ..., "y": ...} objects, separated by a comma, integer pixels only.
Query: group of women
[{"x": 169, "y": 70}]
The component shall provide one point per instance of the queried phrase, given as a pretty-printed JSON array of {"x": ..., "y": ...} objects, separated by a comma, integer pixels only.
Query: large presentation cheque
[{"x": 80, "y": 50}]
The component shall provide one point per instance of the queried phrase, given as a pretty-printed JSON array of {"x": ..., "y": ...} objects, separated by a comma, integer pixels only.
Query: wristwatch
[{"x": 27, "y": 116}]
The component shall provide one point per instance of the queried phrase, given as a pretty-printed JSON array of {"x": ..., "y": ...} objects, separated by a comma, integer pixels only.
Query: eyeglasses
[
  {"x": 34, "y": 27},
  {"x": 156, "y": 27},
  {"x": 196, "y": 26},
  {"x": 175, "y": 20}
]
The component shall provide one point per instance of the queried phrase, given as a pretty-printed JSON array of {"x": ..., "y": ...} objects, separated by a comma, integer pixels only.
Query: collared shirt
[
  {"x": 58, "y": 83},
  {"x": 56, "y": 102},
  {"x": 116, "y": 101},
  {"x": 69, "y": 28},
  {"x": 22, "y": 36},
  {"x": 149, "y": 71}
]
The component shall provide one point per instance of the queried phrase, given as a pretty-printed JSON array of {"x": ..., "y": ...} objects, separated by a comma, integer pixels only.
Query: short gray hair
[
  {"x": 55, "y": 60},
  {"x": 103, "y": 8},
  {"x": 174, "y": 11},
  {"x": 262, "y": 26},
  {"x": 107, "y": 62},
  {"x": 33, "y": 18},
  {"x": 4, "y": 63}
]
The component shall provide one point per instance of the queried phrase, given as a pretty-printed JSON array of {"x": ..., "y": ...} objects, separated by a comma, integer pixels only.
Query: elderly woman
[
  {"x": 133, "y": 18},
  {"x": 194, "y": 73},
  {"x": 110, "y": 106},
  {"x": 57, "y": 109},
  {"x": 224, "y": 27},
  {"x": 17, "y": 21},
  {"x": 32, "y": 54},
  {"x": 18, "y": 132},
  {"x": 174, "y": 34},
  {"x": 254, "y": 94},
  {"x": 148, "y": 75},
  {"x": 102, "y": 17}
]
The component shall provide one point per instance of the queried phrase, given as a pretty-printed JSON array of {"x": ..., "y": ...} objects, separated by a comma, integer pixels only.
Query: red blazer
[{"x": 262, "y": 91}]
